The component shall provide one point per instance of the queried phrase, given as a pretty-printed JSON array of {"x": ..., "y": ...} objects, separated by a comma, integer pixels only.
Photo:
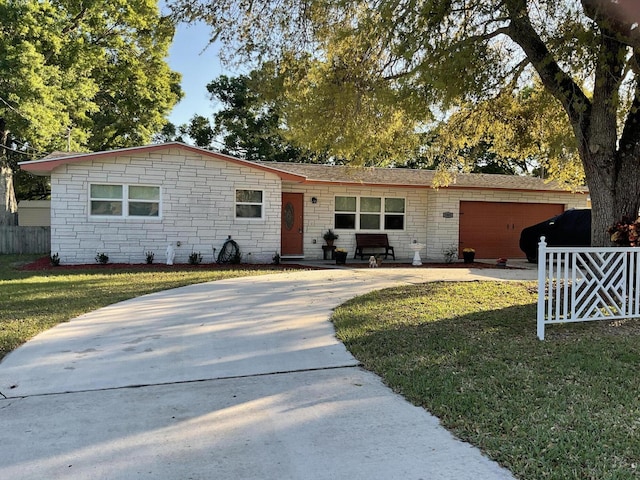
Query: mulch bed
[{"x": 44, "y": 264}]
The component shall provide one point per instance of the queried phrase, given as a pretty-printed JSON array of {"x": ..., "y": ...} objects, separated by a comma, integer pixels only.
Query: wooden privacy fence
[
  {"x": 582, "y": 284},
  {"x": 16, "y": 239}
]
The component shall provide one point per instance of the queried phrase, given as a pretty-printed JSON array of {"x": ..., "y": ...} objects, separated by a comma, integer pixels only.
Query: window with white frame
[
  {"x": 249, "y": 203},
  {"x": 143, "y": 201},
  {"x": 369, "y": 213},
  {"x": 112, "y": 200}
]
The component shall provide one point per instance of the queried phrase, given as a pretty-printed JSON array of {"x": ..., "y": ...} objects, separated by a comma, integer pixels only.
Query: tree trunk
[
  {"x": 612, "y": 167},
  {"x": 9, "y": 205},
  {"x": 614, "y": 187}
]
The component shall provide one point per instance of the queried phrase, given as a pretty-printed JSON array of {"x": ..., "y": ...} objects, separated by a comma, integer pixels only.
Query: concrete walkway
[{"x": 237, "y": 379}]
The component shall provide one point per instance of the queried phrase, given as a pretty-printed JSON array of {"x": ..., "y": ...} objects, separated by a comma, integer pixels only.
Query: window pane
[
  {"x": 106, "y": 191},
  {"x": 345, "y": 204},
  {"x": 394, "y": 222},
  {"x": 394, "y": 205},
  {"x": 346, "y": 221},
  {"x": 144, "y": 193},
  {"x": 370, "y": 204},
  {"x": 249, "y": 196},
  {"x": 248, "y": 211},
  {"x": 146, "y": 209},
  {"x": 369, "y": 222},
  {"x": 106, "y": 208}
]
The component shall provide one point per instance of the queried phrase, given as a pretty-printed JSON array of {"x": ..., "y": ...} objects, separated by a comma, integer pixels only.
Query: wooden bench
[{"x": 373, "y": 240}]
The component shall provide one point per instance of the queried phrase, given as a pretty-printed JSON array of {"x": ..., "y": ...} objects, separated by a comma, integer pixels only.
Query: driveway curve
[{"x": 237, "y": 379}]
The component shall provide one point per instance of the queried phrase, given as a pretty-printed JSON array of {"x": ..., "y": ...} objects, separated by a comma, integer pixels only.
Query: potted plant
[
  {"x": 468, "y": 254},
  {"x": 341, "y": 256},
  {"x": 329, "y": 237}
]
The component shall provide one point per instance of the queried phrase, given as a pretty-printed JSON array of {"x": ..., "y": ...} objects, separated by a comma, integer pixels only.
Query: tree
[
  {"x": 250, "y": 121},
  {"x": 81, "y": 75},
  {"x": 197, "y": 131},
  {"x": 527, "y": 133},
  {"x": 585, "y": 54}
]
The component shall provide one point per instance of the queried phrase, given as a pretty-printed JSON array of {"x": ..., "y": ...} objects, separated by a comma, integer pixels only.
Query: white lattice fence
[{"x": 582, "y": 284}]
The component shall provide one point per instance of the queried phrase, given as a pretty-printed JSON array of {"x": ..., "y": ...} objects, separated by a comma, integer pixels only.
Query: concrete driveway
[{"x": 237, "y": 379}]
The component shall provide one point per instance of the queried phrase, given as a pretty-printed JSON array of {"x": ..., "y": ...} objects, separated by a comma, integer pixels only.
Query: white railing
[{"x": 582, "y": 284}]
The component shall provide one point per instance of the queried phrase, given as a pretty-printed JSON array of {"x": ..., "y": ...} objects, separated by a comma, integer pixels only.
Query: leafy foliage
[
  {"x": 526, "y": 133},
  {"x": 249, "y": 125},
  {"x": 82, "y": 75},
  {"x": 250, "y": 121},
  {"x": 626, "y": 232}
]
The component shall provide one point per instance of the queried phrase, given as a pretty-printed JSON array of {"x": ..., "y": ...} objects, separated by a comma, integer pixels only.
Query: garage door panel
[{"x": 493, "y": 228}]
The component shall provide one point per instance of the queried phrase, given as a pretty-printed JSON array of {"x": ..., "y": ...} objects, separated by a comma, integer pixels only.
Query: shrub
[
  {"x": 55, "y": 259},
  {"x": 195, "y": 258},
  {"x": 450, "y": 254}
]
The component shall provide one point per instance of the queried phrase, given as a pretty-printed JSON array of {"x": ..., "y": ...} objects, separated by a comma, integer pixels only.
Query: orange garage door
[{"x": 493, "y": 228}]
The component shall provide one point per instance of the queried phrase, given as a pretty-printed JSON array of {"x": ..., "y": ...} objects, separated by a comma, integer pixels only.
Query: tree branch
[
  {"x": 75, "y": 22},
  {"x": 516, "y": 72},
  {"x": 556, "y": 81}
]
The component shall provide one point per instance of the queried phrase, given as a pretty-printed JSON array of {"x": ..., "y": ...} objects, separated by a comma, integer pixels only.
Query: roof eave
[{"x": 44, "y": 167}]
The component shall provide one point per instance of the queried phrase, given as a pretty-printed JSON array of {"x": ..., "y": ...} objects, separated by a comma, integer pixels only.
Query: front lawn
[
  {"x": 565, "y": 408},
  {"x": 34, "y": 301}
]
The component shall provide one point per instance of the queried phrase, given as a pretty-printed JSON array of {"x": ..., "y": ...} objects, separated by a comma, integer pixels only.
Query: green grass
[
  {"x": 34, "y": 301},
  {"x": 565, "y": 408}
]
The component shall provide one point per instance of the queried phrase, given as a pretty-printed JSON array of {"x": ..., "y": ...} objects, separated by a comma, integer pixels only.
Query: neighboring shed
[
  {"x": 129, "y": 201},
  {"x": 34, "y": 213}
]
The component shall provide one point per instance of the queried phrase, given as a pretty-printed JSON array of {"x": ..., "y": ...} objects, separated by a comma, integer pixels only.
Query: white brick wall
[
  {"x": 318, "y": 218},
  {"x": 197, "y": 209}
]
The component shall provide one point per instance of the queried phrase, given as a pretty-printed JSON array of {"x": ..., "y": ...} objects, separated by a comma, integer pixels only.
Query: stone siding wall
[
  {"x": 319, "y": 217},
  {"x": 197, "y": 210}
]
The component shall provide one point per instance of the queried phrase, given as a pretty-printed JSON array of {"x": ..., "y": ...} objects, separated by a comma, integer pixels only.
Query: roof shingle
[{"x": 340, "y": 174}]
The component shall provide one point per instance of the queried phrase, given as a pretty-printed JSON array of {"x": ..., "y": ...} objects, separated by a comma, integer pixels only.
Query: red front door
[{"x": 291, "y": 231}]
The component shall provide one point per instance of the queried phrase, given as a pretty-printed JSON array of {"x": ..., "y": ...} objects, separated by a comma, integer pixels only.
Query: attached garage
[{"x": 493, "y": 228}]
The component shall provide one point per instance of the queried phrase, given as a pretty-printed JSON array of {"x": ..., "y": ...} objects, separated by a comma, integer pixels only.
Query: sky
[{"x": 198, "y": 62}]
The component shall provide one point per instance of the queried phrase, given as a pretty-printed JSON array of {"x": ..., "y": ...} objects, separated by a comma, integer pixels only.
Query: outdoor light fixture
[{"x": 314, "y": 200}]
